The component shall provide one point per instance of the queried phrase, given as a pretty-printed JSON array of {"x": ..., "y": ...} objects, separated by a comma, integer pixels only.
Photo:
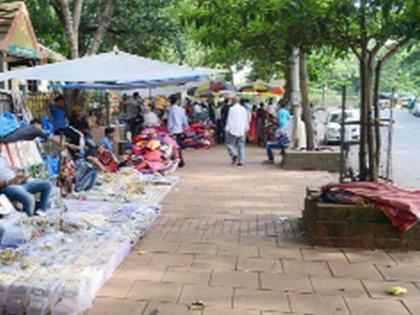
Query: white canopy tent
[{"x": 116, "y": 67}]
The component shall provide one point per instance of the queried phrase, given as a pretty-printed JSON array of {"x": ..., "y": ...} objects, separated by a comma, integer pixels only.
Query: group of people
[
  {"x": 267, "y": 126},
  {"x": 236, "y": 121}
]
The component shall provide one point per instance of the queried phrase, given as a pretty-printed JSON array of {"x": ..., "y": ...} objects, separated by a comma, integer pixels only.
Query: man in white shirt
[
  {"x": 177, "y": 123},
  {"x": 237, "y": 126}
]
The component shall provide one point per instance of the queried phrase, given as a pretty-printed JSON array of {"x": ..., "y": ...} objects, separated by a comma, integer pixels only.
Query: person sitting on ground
[
  {"x": 282, "y": 142},
  {"x": 18, "y": 187},
  {"x": 108, "y": 140}
]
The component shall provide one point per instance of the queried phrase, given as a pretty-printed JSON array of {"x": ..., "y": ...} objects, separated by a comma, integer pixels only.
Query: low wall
[
  {"x": 354, "y": 226},
  {"x": 312, "y": 160}
]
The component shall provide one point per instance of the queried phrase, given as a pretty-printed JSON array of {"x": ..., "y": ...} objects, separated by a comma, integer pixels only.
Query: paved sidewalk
[{"x": 227, "y": 237}]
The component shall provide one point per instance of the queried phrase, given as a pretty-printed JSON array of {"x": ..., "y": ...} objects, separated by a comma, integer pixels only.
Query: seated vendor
[
  {"x": 108, "y": 140},
  {"x": 20, "y": 188},
  {"x": 31, "y": 132}
]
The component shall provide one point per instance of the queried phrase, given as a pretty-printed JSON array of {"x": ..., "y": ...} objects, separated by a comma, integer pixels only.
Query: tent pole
[{"x": 107, "y": 108}]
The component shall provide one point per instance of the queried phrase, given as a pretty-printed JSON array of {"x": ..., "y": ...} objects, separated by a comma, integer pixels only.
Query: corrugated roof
[{"x": 8, "y": 13}]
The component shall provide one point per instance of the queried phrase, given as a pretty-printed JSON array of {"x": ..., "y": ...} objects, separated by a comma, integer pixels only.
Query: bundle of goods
[
  {"x": 128, "y": 185},
  {"x": 197, "y": 136},
  {"x": 154, "y": 152},
  {"x": 56, "y": 268},
  {"x": 401, "y": 206}
]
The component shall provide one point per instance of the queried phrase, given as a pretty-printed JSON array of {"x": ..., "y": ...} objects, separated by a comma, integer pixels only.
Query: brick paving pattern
[{"x": 228, "y": 236}]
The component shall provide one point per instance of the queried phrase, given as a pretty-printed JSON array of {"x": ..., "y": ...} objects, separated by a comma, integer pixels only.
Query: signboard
[{"x": 22, "y": 52}]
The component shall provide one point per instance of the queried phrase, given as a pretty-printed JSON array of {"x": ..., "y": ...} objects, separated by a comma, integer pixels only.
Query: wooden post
[
  {"x": 390, "y": 135},
  {"x": 342, "y": 135}
]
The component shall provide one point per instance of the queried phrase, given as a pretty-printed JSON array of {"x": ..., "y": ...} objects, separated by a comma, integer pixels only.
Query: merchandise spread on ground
[{"x": 57, "y": 263}]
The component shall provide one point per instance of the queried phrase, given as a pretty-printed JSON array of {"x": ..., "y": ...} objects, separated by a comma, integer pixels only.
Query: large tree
[{"x": 375, "y": 31}]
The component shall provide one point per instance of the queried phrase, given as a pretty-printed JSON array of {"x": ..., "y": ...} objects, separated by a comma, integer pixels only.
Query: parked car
[
  {"x": 333, "y": 127},
  {"x": 406, "y": 99},
  {"x": 416, "y": 108}
]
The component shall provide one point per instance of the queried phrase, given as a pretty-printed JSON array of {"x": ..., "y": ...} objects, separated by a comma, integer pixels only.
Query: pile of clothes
[
  {"x": 401, "y": 206},
  {"x": 153, "y": 152},
  {"x": 197, "y": 136}
]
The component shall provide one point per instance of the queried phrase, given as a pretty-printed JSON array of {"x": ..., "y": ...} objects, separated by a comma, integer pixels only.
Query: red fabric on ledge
[{"x": 401, "y": 206}]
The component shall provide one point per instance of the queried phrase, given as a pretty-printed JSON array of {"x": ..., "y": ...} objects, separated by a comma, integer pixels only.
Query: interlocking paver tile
[
  {"x": 116, "y": 288},
  {"x": 213, "y": 296},
  {"x": 412, "y": 304},
  {"x": 354, "y": 271},
  {"x": 260, "y": 300},
  {"x": 187, "y": 275},
  {"x": 259, "y": 264},
  {"x": 337, "y": 287},
  {"x": 275, "y": 252},
  {"x": 170, "y": 309},
  {"x": 146, "y": 273},
  {"x": 404, "y": 257},
  {"x": 107, "y": 306},
  {"x": 154, "y": 291},
  {"x": 377, "y": 289},
  {"x": 215, "y": 262},
  {"x": 229, "y": 311},
  {"x": 196, "y": 249},
  {"x": 168, "y": 259},
  {"x": 400, "y": 272},
  {"x": 368, "y": 256},
  {"x": 237, "y": 279},
  {"x": 365, "y": 306},
  {"x": 319, "y": 305},
  {"x": 286, "y": 283},
  {"x": 238, "y": 250},
  {"x": 313, "y": 268},
  {"x": 158, "y": 246},
  {"x": 323, "y": 254}
]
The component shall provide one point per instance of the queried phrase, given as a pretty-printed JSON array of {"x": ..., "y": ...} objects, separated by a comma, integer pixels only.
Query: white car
[
  {"x": 416, "y": 109},
  {"x": 333, "y": 127}
]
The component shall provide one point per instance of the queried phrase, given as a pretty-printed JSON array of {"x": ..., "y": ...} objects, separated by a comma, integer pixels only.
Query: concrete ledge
[
  {"x": 312, "y": 160},
  {"x": 354, "y": 226}
]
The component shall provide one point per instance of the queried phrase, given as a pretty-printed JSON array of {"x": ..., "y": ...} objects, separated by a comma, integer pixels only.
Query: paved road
[{"x": 406, "y": 153}]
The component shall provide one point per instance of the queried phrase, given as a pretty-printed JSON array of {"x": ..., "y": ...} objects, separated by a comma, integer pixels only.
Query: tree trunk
[
  {"x": 288, "y": 84},
  {"x": 304, "y": 90},
  {"x": 373, "y": 169},
  {"x": 69, "y": 26},
  {"x": 377, "y": 112},
  {"x": 363, "y": 92},
  {"x": 102, "y": 26}
]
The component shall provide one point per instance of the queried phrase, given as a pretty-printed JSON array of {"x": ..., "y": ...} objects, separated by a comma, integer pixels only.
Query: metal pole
[
  {"x": 107, "y": 109},
  {"x": 342, "y": 135},
  {"x": 295, "y": 96},
  {"x": 390, "y": 133}
]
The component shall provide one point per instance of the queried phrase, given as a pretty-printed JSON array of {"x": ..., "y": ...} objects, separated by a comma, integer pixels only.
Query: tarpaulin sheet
[{"x": 401, "y": 206}]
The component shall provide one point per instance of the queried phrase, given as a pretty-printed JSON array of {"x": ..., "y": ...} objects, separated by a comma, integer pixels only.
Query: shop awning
[{"x": 113, "y": 67}]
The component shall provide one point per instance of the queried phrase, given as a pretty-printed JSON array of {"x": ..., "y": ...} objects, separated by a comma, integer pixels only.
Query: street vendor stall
[{"x": 55, "y": 264}]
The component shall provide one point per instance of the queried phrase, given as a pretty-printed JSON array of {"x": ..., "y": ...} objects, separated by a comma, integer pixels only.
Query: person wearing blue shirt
[
  {"x": 283, "y": 117},
  {"x": 58, "y": 111},
  {"x": 282, "y": 142},
  {"x": 108, "y": 140}
]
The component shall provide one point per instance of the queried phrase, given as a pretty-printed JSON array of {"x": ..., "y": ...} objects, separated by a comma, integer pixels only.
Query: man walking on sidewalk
[
  {"x": 237, "y": 126},
  {"x": 177, "y": 123}
]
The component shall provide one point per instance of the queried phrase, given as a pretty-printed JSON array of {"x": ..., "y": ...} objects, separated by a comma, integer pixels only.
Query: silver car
[{"x": 333, "y": 127}]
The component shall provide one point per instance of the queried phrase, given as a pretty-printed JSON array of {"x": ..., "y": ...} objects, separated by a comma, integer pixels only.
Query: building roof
[{"x": 17, "y": 36}]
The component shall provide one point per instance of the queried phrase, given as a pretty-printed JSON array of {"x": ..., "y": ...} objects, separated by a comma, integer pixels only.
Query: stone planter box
[
  {"x": 354, "y": 226},
  {"x": 312, "y": 160}
]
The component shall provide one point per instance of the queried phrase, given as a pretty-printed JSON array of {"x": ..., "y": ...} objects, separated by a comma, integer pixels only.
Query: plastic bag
[{"x": 8, "y": 124}]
